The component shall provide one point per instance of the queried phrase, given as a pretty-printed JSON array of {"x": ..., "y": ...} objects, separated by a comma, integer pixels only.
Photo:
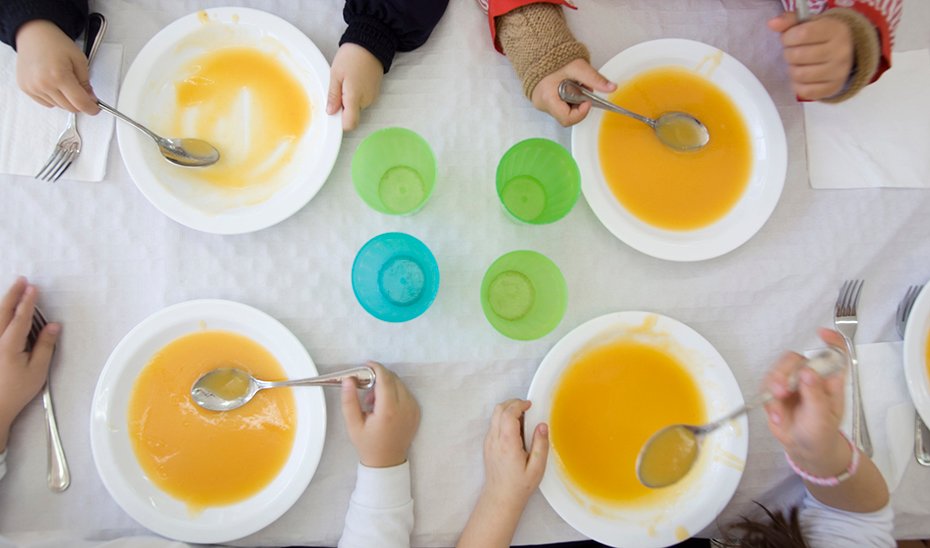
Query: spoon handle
[
  {"x": 573, "y": 93},
  {"x": 129, "y": 121},
  {"x": 802, "y": 10},
  {"x": 364, "y": 378},
  {"x": 824, "y": 363}
]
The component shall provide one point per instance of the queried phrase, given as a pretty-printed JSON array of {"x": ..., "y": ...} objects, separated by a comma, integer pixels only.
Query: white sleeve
[
  {"x": 827, "y": 527},
  {"x": 381, "y": 509}
]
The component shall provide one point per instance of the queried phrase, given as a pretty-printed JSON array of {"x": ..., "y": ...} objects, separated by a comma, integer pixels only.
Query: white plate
[
  {"x": 915, "y": 354},
  {"x": 768, "y": 148},
  {"x": 168, "y": 187},
  {"x": 701, "y": 496},
  {"x": 112, "y": 449}
]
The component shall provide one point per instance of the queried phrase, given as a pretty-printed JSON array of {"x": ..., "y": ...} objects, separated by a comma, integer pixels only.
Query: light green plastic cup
[
  {"x": 524, "y": 295},
  {"x": 394, "y": 171},
  {"x": 538, "y": 181}
]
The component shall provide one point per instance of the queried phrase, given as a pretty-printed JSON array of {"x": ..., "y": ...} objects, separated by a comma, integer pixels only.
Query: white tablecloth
[{"x": 105, "y": 259}]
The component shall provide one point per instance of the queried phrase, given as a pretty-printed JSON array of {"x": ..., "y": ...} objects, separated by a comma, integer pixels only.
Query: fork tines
[
  {"x": 38, "y": 324},
  {"x": 907, "y": 303},
  {"x": 848, "y": 298}
]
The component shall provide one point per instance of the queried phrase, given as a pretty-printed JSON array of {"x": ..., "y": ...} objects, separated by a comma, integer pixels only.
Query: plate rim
[
  {"x": 100, "y": 436},
  {"x": 915, "y": 343},
  {"x": 247, "y": 219},
  {"x": 661, "y": 243},
  {"x": 576, "y": 339}
]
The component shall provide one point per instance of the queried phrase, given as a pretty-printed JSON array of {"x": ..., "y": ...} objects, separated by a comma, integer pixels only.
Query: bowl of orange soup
[
  {"x": 917, "y": 354},
  {"x": 604, "y": 389},
  {"x": 196, "y": 475},
  {"x": 254, "y": 86},
  {"x": 682, "y": 206}
]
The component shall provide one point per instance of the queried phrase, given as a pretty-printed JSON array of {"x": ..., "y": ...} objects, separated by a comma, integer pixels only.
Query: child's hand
[
  {"x": 510, "y": 477},
  {"x": 51, "y": 69},
  {"x": 819, "y": 53},
  {"x": 512, "y": 474},
  {"x": 382, "y": 436},
  {"x": 22, "y": 374},
  {"x": 354, "y": 82},
  {"x": 546, "y": 98},
  {"x": 807, "y": 422}
]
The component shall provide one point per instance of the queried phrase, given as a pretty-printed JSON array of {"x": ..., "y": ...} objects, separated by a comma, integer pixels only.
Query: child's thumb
[
  {"x": 539, "y": 451},
  {"x": 334, "y": 96},
  {"x": 783, "y": 22}
]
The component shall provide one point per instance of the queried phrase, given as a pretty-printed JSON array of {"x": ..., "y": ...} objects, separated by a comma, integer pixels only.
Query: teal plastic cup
[
  {"x": 394, "y": 171},
  {"x": 538, "y": 181},
  {"x": 395, "y": 277},
  {"x": 524, "y": 295}
]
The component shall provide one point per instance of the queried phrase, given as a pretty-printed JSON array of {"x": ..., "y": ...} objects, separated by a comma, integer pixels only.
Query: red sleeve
[
  {"x": 496, "y": 8},
  {"x": 884, "y": 15}
]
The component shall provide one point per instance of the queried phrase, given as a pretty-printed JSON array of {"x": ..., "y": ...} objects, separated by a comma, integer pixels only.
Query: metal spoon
[
  {"x": 230, "y": 388},
  {"x": 182, "y": 152},
  {"x": 670, "y": 453},
  {"x": 677, "y": 130}
]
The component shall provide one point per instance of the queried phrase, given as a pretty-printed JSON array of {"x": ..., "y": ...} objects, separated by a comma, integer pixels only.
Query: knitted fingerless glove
[
  {"x": 866, "y": 51},
  {"x": 538, "y": 42}
]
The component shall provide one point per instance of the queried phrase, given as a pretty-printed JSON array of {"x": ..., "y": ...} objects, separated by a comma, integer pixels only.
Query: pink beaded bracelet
[{"x": 836, "y": 480}]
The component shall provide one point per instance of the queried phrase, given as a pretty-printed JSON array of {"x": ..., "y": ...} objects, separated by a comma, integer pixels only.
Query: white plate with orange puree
[
  {"x": 254, "y": 86},
  {"x": 683, "y": 206},
  {"x": 195, "y": 475},
  {"x": 604, "y": 389},
  {"x": 917, "y": 354}
]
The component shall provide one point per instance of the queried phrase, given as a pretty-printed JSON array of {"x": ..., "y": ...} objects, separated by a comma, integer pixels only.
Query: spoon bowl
[
  {"x": 230, "y": 388},
  {"x": 676, "y": 130},
  {"x": 182, "y": 152},
  {"x": 669, "y": 454}
]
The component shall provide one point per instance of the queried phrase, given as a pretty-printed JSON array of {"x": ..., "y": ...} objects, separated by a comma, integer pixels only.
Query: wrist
[
  {"x": 37, "y": 29},
  {"x": 382, "y": 461},
  {"x": 826, "y": 460}
]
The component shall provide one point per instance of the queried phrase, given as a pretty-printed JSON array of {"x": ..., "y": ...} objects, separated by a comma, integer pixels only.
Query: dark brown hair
[{"x": 779, "y": 531}]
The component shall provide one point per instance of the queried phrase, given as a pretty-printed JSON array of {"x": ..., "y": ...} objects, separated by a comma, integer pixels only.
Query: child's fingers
[
  {"x": 539, "y": 452},
  {"x": 350, "y": 114},
  {"x": 510, "y": 425},
  {"x": 776, "y": 381},
  {"x": 78, "y": 97},
  {"x": 8, "y": 304},
  {"x": 351, "y": 409},
  {"x": 41, "y": 100},
  {"x": 814, "y": 92},
  {"x": 832, "y": 338},
  {"x": 57, "y": 97},
  {"x": 41, "y": 355},
  {"x": 334, "y": 95},
  {"x": 588, "y": 76},
  {"x": 18, "y": 328}
]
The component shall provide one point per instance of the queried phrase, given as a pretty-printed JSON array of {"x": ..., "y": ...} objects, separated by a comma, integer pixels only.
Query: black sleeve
[
  {"x": 69, "y": 15},
  {"x": 384, "y": 27}
]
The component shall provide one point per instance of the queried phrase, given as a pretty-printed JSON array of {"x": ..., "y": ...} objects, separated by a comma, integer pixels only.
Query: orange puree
[
  {"x": 249, "y": 106},
  {"x": 609, "y": 401},
  {"x": 666, "y": 188},
  {"x": 207, "y": 458}
]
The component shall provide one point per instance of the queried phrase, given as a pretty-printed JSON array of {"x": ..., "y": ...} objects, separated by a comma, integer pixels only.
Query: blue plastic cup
[{"x": 395, "y": 277}]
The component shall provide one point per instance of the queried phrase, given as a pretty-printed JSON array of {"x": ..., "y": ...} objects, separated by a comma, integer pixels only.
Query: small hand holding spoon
[
  {"x": 670, "y": 453},
  {"x": 182, "y": 152},
  {"x": 230, "y": 388},
  {"x": 676, "y": 130}
]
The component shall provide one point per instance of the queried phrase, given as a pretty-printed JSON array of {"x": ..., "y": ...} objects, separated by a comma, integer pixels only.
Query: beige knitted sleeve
[
  {"x": 538, "y": 42},
  {"x": 867, "y": 50}
]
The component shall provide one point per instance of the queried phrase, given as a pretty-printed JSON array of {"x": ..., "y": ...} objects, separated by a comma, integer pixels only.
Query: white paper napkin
[
  {"x": 29, "y": 131},
  {"x": 880, "y": 137},
  {"x": 889, "y": 411}
]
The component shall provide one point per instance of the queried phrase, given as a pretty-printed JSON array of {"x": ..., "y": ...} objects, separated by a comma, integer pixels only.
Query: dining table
[{"x": 104, "y": 259}]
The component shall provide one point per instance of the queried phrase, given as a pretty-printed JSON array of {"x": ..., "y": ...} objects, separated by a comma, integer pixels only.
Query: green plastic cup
[
  {"x": 394, "y": 171},
  {"x": 538, "y": 181},
  {"x": 524, "y": 295}
]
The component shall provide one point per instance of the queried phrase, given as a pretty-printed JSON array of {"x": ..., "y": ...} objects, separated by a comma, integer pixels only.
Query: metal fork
[
  {"x": 846, "y": 322},
  {"x": 59, "y": 476},
  {"x": 69, "y": 142},
  {"x": 921, "y": 432}
]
